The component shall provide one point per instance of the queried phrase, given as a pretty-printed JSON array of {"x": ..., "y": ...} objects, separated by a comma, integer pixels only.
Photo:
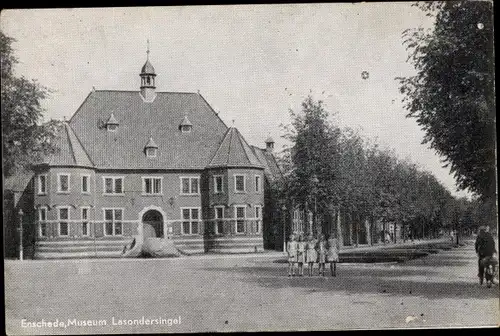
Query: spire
[{"x": 148, "y": 79}]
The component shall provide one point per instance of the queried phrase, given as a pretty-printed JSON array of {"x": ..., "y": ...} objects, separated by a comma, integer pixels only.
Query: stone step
[
  {"x": 77, "y": 255},
  {"x": 83, "y": 248}
]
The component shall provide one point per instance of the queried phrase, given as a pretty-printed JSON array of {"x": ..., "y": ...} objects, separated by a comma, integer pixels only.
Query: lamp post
[
  {"x": 20, "y": 228},
  {"x": 283, "y": 214}
]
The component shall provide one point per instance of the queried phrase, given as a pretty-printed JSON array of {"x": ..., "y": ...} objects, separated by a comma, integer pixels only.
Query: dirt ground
[{"x": 247, "y": 293}]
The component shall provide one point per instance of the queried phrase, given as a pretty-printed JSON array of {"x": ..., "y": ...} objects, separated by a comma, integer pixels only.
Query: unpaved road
[{"x": 246, "y": 294}]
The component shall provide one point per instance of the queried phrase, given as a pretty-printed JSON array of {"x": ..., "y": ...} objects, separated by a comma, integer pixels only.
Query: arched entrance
[{"x": 152, "y": 224}]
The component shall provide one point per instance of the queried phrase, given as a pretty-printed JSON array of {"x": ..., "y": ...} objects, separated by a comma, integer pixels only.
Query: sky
[{"x": 252, "y": 63}]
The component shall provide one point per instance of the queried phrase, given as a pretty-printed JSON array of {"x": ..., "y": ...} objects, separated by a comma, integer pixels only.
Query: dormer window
[
  {"x": 151, "y": 148},
  {"x": 151, "y": 152},
  {"x": 112, "y": 124},
  {"x": 185, "y": 125}
]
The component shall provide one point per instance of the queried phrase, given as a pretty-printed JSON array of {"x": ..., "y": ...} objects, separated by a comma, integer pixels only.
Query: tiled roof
[
  {"x": 186, "y": 122},
  {"x": 18, "y": 181},
  {"x": 269, "y": 139},
  {"x": 69, "y": 150},
  {"x": 112, "y": 120},
  {"x": 124, "y": 148},
  {"x": 151, "y": 143},
  {"x": 234, "y": 152},
  {"x": 147, "y": 68},
  {"x": 271, "y": 168}
]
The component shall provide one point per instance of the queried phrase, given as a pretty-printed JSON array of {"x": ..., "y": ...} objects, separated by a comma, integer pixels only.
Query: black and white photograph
[{"x": 249, "y": 168}]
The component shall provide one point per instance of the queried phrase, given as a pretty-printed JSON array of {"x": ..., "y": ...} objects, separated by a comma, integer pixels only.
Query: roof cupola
[
  {"x": 269, "y": 144},
  {"x": 148, "y": 79}
]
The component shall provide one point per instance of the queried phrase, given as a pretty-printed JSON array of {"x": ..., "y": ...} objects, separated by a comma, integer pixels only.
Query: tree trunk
[
  {"x": 368, "y": 232},
  {"x": 340, "y": 234}
]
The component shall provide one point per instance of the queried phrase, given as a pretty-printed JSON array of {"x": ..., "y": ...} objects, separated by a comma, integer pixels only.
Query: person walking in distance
[
  {"x": 332, "y": 255},
  {"x": 321, "y": 251},
  {"x": 291, "y": 248},
  {"x": 311, "y": 255},
  {"x": 485, "y": 247},
  {"x": 301, "y": 255}
]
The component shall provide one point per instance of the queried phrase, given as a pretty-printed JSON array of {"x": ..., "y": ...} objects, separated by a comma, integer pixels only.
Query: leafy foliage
[
  {"x": 24, "y": 140},
  {"x": 452, "y": 95},
  {"x": 337, "y": 168}
]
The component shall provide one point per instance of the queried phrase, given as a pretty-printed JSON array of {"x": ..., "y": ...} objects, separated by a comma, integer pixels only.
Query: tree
[
  {"x": 452, "y": 94},
  {"x": 312, "y": 167},
  {"x": 24, "y": 139}
]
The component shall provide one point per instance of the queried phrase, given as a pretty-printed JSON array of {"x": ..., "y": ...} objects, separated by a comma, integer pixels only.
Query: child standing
[
  {"x": 321, "y": 251},
  {"x": 291, "y": 248},
  {"x": 301, "y": 258},
  {"x": 311, "y": 255},
  {"x": 332, "y": 255}
]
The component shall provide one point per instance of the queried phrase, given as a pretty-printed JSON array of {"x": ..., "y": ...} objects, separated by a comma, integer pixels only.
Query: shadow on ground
[{"x": 424, "y": 277}]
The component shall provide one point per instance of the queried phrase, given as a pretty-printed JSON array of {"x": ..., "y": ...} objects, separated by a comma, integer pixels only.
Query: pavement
[{"x": 244, "y": 293}]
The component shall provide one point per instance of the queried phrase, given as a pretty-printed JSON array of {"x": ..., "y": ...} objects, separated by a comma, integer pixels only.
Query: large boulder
[{"x": 159, "y": 248}]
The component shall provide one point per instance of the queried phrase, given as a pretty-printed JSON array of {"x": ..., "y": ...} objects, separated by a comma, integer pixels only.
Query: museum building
[{"x": 139, "y": 164}]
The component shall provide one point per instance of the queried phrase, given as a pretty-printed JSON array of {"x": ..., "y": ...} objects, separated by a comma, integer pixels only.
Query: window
[
  {"x": 42, "y": 184},
  {"x": 63, "y": 183},
  {"x": 42, "y": 217},
  {"x": 258, "y": 216},
  {"x": 151, "y": 185},
  {"x": 190, "y": 185},
  {"x": 63, "y": 213},
  {"x": 190, "y": 219},
  {"x": 151, "y": 152},
  {"x": 85, "y": 222},
  {"x": 186, "y": 128},
  {"x": 113, "y": 185},
  {"x": 219, "y": 224},
  {"x": 258, "y": 184},
  {"x": 85, "y": 184},
  {"x": 239, "y": 183},
  {"x": 111, "y": 127},
  {"x": 113, "y": 222},
  {"x": 240, "y": 218},
  {"x": 218, "y": 184}
]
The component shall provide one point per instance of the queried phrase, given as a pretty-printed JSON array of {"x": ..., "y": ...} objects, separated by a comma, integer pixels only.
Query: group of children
[{"x": 310, "y": 251}]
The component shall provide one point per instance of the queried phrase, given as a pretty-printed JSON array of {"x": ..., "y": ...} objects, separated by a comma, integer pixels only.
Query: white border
[
  {"x": 223, "y": 207},
  {"x": 244, "y": 184},
  {"x": 39, "y": 184},
  {"x": 85, "y": 220},
  {"x": 236, "y": 218},
  {"x": 221, "y": 185},
  {"x": 59, "y": 219},
  {"x": 88, "y": 184},
  {"x": 143, "y": 212},
  {"x": 258, "y": 184},
  {"x": 190, "y": 221},
  {"x": 113, "y": 221},
  {"x": 59, "y": 191},
  {"x": 189, "y": 177},
  {"x": 114, "y": 177},
  {"x": 143, "y": 178},
  {"x": 43, "y": 207}
]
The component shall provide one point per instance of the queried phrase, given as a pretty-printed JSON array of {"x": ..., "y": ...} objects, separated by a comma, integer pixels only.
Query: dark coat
[{"x": 485, "y": 245}]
